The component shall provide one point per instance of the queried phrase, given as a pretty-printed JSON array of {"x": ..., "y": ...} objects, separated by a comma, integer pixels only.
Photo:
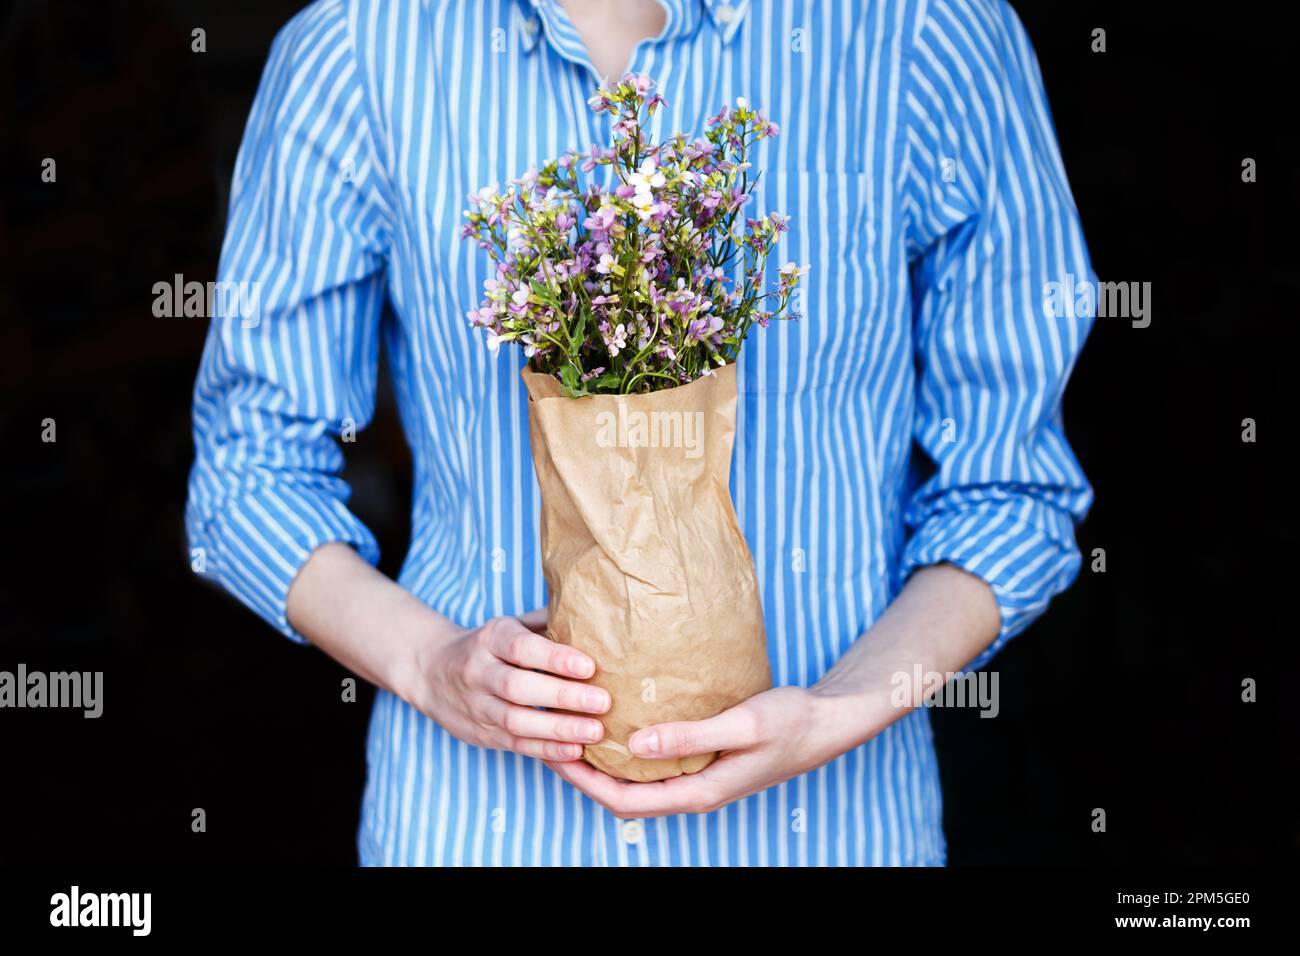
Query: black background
[{"x": 1125, "y": 696}]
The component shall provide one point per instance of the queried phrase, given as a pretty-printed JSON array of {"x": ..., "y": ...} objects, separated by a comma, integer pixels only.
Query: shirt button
[
  {"x": 633, "y": 831},
  {"x": 530, "y": 26},
  {"x": 725, "y": 12}
]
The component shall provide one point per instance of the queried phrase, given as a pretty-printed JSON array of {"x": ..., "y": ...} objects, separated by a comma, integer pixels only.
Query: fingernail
[
  {"x": 597, "y": 700},
  {"x": 645, "y": 744},
  {"x": 580, "y": 666},
  {"x": 593, "y": 731},
  {"x": 572, "y": 750}
]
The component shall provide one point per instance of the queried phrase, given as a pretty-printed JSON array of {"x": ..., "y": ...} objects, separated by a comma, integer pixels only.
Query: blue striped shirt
[{"x": 920, "y": 170}]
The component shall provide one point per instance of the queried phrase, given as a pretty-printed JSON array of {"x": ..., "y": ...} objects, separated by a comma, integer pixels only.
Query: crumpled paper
[{"x": 645, "y": 563}]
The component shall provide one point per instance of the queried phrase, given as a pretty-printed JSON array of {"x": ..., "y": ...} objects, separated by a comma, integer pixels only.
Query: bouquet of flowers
[{"x": 631, "y": 275}]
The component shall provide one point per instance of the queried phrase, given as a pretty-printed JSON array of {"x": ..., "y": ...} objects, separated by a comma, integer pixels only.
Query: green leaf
[{"x": 543, "y": 293}]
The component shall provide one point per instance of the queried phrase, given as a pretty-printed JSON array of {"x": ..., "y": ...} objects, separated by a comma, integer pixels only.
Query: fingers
[
  {"x": 689, "y": 793},
  {"x": 543, "y": 725},
  {"x": 548, "y": 750},
  {"x": 531, "y": 689},
  {"x": 734, "y": 729},
  {"x": 511, "y": 641}
]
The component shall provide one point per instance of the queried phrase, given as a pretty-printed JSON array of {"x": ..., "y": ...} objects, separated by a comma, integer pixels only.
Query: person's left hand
[{"x": 766, "y": 740}]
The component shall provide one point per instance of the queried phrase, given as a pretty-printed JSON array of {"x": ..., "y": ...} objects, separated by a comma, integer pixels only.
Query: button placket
[{"x": 632, "y": 832}]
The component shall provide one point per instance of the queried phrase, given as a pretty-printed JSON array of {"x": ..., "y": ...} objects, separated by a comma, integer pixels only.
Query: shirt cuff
[
  {"x": 257, "y": 543},
  {"x": 1024, "y": 549}
]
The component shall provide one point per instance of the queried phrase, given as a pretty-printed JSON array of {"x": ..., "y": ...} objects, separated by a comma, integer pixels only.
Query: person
[{"x": 901, "y": 471}]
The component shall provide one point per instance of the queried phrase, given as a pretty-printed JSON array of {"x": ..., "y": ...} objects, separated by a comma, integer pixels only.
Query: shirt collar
[{"x": 534, "y": 17}]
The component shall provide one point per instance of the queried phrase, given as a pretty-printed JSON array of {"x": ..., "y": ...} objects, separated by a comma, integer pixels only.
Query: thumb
[{"x": 732, "y": 729}]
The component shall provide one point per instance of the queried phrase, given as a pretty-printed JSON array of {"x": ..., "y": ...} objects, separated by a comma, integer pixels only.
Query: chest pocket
[{"x": 832, "y": 230}]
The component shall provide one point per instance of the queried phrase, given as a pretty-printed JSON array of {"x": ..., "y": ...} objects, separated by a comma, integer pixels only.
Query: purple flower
[
  {"x": 698, "y": 149},
  {"x": 602, "y": 221},
  {"x": 703, "y": 328}
]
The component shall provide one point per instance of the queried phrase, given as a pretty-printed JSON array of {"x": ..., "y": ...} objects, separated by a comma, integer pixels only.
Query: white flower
[
  {"x": 606, "y": 264},
  {"x": 520, "y": 297},
  {"x": 617, "y": 339},
  {"x": 494, "y": 342},
  {"x": 741, "y": 103},
  {"x": 647, "y": 177}
]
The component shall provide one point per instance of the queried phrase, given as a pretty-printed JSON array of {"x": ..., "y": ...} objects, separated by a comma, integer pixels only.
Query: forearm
[
  {"x": 941, "y": 620},
  {"x": 485, "y": 685},
  {"x": 363, "y": 619}
]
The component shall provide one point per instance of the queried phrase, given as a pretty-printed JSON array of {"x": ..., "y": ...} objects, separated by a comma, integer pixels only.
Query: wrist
[
  {"x": 851, "y": 715},
  {"x": 417, "y": 661}
]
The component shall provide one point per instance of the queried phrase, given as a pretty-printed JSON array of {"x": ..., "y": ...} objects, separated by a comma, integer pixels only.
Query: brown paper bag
[{"x": 644, "y": 560}]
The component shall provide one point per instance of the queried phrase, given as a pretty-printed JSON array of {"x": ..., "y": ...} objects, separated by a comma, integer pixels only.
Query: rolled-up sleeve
[
  {"x": 991, "y": 230},
  {"x": 290, "y": 362}
]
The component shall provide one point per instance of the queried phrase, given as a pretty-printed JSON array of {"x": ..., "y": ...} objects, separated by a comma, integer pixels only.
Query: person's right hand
[{"x": 483, "y": 686}]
